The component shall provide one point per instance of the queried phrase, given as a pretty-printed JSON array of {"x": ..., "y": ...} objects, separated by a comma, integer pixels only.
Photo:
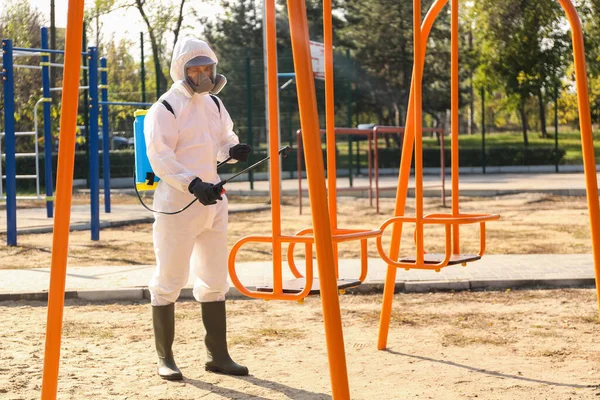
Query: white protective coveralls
[{"x": 181, "y": 148}]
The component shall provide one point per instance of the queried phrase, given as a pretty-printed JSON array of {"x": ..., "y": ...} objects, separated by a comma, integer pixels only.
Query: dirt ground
[
  {"x": 466, "y": 345},
  {"x": 479, "y": 345},
  {"x": 530, "y": 223}
]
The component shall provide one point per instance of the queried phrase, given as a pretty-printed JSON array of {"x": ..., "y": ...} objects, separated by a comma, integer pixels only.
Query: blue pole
[
  {"x": 9, "y": 146},
  {"x": 125, "y": 103},
  {"x": 94, "y": 174},
  {"x": 47, "y": 128},
  {"x": 105, "y": 137}
]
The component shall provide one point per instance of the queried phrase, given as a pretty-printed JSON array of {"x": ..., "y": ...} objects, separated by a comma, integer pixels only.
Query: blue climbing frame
[{"x": 7, "y": 75}]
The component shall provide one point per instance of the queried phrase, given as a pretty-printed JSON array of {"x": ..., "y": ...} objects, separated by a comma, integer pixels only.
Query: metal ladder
[{"x": 17, "y": 155}]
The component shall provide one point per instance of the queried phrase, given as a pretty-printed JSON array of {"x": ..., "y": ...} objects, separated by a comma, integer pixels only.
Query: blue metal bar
[
  {"x": 34, "y": 50},
  {"x": 47, "y": 130},
  {"x": 105, "y": 136},
  {"x": 286, "y": 75},
  {"x": 124, "y": 103},
  {"x": 94, "y": 174},
  {"x": 9, "y": 146}
]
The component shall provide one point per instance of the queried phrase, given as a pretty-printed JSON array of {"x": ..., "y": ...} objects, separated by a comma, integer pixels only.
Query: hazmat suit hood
[{"x": 187, "y": 49}]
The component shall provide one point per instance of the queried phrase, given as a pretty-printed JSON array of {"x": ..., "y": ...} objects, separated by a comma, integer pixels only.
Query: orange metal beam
[
  {"x": 330, "y": 117},
  {"x": 309, "y": 121},
  {"x": 454, "y": 78},
  {"x": 419, "y": 61},
  {"x": 402, "y": 191},
  {"x": 587, "y": 143},
  {"x": 64, "y": 190},
  {"x": 273, "y": 105}
]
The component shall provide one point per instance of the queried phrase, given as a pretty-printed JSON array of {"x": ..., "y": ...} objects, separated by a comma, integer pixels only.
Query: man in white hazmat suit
[{"x": 187, "y": 131}]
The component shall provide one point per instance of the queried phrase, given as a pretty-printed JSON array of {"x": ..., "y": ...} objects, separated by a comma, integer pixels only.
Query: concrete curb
[
  {"x": 85, "y": 226},
  {"x": 390, "y": 192},
  {"x": 142, "y": 293}
]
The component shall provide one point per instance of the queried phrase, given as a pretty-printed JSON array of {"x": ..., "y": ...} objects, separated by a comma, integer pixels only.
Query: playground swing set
[
  {"x": 98, "y": 97},
  {"x": 324, "y": 234}
]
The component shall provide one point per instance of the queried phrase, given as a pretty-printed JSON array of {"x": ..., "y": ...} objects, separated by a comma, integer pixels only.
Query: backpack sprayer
[{"x": 145, "y": 179}]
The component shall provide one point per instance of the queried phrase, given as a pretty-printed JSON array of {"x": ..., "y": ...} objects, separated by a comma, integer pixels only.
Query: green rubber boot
[
  {"x": 218, "y": 359},
  {"x": 163, "y": 319}
]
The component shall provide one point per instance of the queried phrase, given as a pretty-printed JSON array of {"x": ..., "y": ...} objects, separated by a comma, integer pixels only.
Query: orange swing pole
[
  {"x": 274, "y": 162},
  {"x": 402, "y": 190},
  {"x": 587, "y": 142},
  {"x": 330, "y": 124},
  {"x": 418, "y": 64},
  {"x": 64, "y": 190},
  {"x": 454, "y": 81},
  {"x": 309, "y": 121}
]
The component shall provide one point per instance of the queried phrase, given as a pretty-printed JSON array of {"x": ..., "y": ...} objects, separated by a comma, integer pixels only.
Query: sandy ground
[
  {"x": 531, "y": 223},
  {"x": 479, "y": 345}
]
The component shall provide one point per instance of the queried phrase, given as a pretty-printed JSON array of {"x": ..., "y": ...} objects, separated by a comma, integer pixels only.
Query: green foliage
[
  {"x": 523, "y": 48},
  {"x": 124, "y": 85}
]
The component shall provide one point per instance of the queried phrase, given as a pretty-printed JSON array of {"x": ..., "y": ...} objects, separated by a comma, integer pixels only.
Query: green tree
[
  {"x": 381, "y": 37},
  {"x": 161, "y": 19},
  {"x": 123, "y": 83},
  {"x": 523, "y": 48},
  {"x": 236, "y": 37},
  {"x": 93, "y": 22}
]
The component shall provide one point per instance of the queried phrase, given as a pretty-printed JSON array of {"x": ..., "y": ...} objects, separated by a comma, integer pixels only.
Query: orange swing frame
[{"x": 453, "y": 220}]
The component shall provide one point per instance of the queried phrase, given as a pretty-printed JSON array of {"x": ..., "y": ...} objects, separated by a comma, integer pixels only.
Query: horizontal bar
[
  {"x": 21, "y": 155},
  {"x": 58, "y": 89},
  {"x": 25, "y": 198},
  {"x": 26, "y": 66},
  {"x": 124, "y": 103},
  {"x": 20, "y": 133},
  {"x": 286, "y": 75},
  {"x": 62, "y": 65},
  {"x": 23, "y": 176},
  {"x": 27, "y": 50},
  {"x": 22, "y": 54}
]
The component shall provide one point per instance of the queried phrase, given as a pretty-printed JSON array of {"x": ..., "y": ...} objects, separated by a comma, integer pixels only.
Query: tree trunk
[
  {"x": 542, "y": 105},
  {"x": 178, "y": 25},
  {"x": 523, "y": 120},
  {"x": 161, "y": 79},
  {"x": 397, "y": 119}
]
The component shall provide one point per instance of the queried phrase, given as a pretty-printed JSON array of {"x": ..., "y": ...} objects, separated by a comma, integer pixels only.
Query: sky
[{"x": 122, "y": 23}]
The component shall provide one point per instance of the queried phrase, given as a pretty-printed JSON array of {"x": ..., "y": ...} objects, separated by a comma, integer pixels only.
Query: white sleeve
[
  {"x": 160, "y": 131},
  {"x": 228, "y": 138}
]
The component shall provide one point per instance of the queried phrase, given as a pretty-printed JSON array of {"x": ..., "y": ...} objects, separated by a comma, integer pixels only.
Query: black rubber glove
[
  {"x": 206, "y": 193},
  {"x": 240, "y": 152}
]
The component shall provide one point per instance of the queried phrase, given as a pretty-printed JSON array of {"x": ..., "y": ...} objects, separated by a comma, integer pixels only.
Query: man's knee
[
  {"x": 205, "y": 294},
  {"x": 162, "y": 295}
]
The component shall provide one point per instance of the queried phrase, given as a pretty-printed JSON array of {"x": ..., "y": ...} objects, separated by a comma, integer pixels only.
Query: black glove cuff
[{"x": 192, "y": 183}]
